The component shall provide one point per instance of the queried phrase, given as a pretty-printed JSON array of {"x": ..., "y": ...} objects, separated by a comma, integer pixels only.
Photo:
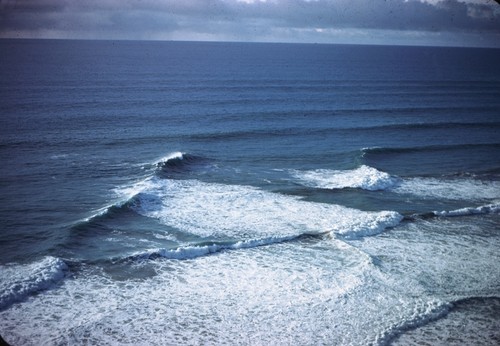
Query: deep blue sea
[{"x": 187, "y": 193}]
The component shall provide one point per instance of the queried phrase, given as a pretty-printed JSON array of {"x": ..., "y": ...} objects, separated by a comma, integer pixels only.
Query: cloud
[{"x": 244, "y": 20}]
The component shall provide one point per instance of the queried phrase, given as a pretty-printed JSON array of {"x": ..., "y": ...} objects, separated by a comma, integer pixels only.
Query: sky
[{"x": 406, "y": 22}]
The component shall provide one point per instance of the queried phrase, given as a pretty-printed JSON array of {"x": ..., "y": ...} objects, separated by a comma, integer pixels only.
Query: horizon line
[{"x": 247, "y": 42}]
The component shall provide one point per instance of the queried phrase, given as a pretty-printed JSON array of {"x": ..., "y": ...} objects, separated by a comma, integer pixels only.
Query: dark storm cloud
[
  {"x": 389, "y": 14},
  {"x": 232, "y": 19}
]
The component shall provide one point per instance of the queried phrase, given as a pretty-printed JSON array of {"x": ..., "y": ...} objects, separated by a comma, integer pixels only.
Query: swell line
[{"x": 429, "y": 148}]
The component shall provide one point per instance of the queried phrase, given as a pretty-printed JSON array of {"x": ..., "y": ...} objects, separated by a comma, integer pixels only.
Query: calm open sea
[{"x": 181, "y": 193}]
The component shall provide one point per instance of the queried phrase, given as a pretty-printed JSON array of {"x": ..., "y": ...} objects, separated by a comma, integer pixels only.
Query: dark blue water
[{"x": 221, "y": 193}]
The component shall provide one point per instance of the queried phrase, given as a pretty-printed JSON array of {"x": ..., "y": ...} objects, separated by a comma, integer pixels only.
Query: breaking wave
[
  {"x": 176, "y": 163},
  {"x": 17, "y": 282},
  {"x": 371, "y": 179},
  {"x": 484, "y": 209},
  {"x": 430, "y": 312},
  {"x": 423, "y": 314},
  {"x": 364, "y": 177},
  {"x": 450, "y": 188},
  {"x": 244, "y": 212},
  {"x": 194, "y": 251}
]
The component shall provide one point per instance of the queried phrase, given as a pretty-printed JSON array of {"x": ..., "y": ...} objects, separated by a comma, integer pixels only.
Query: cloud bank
[{"x": 448, "y": 22}]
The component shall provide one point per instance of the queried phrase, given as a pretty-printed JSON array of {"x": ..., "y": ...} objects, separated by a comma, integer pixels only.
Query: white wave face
[
  {"x": 453, "y": 189},
  {"x": 189, "y": 252},
  {"x": 19, "y": 281},
  {"x": 364, "y": 177},
  {"x": 371, "y": 179},
  {"x": 244, "y": 212},
  {"x": 172, "y": 156},
  {"x": 484, "y": 209}
]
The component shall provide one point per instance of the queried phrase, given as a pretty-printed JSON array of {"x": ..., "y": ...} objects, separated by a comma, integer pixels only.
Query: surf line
[
  {"x": 194, "y": 251},
  {"x": 468, "y": 211}
]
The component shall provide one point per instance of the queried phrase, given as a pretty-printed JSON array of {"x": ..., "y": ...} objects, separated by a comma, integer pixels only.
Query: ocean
[{"x": 204, "y": 193}]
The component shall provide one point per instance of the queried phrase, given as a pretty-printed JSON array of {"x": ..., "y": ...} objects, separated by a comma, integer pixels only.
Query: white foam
[
  {"x": 20, "y": 281},
  {"x": 290, "y": 294},
  {"x": 371, "y": 179},
  {"x": 443, "y": 260},
  {"x": 470, "y": 321},
  {"x": 484, "y": 209},
  {"x": 364, "y": 177},
  {"x": 422, "y": 314},
  {"x": 325, "y": 291},
  {"x": 189, "y": 252},
  {"x": 176, "y": 155},
  {"x": 453, "y": 189},
  {"x": 244, "y": 212}
]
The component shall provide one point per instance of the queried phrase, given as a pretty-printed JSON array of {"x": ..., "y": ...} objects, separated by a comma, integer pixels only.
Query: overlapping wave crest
[
  {"x": 225, "y": 217},
  {"x": 221, "y": 217}
]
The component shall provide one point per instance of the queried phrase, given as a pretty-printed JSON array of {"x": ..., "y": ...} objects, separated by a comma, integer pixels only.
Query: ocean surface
[{"x": 182, "y": 193}]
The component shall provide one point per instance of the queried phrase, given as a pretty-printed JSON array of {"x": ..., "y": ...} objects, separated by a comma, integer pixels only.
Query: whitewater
[{"x": 328, "y": 261}]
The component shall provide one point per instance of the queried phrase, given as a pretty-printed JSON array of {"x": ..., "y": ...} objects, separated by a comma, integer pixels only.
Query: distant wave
[
  {"x": 430, "y": 148},
  {"x": 364, "y": 177},
  {"x": 432, "y": 126},
  {"x": 311, "y": 130},
  {"x": 18, "y": 281}
]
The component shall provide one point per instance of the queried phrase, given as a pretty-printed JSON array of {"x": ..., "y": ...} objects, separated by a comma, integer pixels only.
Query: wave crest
[
  {"x": 364, "y": 177},
  {"x": 371, "y": 179},
  {"x": 368, "y": 226},
  {"x": 194, "y": 251},
  {"x": 484, "y": 209},
  {"x": 450, "y": 188},
  {"x": 17, "y": 282},
  {"x": 178, "y": 164},
  {"x": 426, "y": 149}
]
